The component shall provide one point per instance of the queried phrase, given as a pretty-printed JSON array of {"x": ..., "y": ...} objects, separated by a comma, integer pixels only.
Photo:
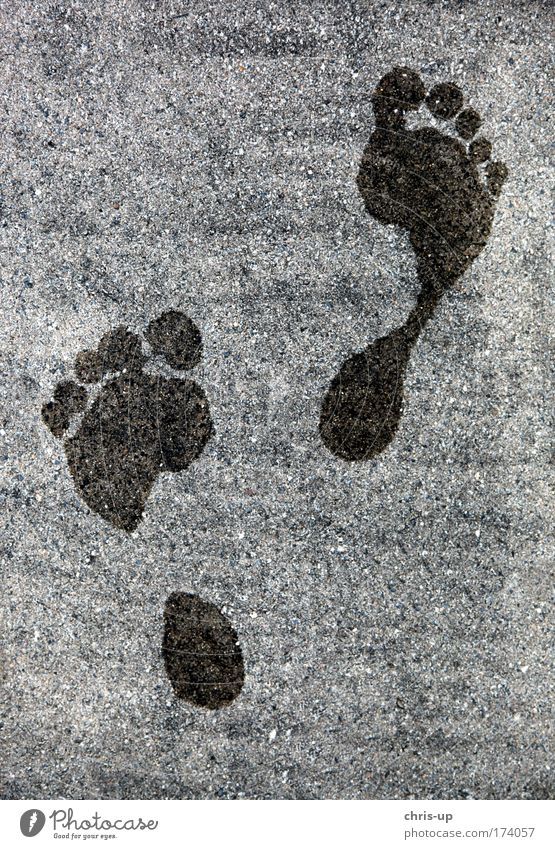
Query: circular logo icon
[{"x": 32, "y": 822}]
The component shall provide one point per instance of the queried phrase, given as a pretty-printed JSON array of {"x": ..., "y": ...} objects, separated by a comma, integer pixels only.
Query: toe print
[
  {"x": 139, "y": 425},
  {"x": 443, "y": 192},
  {"x": 201, "y": 652},
  {"x": 69, "y": 399}
]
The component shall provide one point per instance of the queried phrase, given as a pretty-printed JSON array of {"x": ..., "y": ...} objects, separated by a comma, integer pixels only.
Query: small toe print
[
  {"x": 176, "y": 337},
  {"x": 480, "y": 149},
  {"x": 497, "y": 174},
  {"x": 445, "y": 100},
  {"x": 88, "y": 367},
  {"x": 201, "y": 651},
  {"x": 138, "y": 426},
  {"x": 69, "y": 400},
  {"x": 468, "y": 123},
  {"x": 120, "y": 349}
]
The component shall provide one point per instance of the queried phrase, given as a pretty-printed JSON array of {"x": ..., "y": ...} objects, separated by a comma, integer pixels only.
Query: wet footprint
[
  {"x": 441, "y": 189},
  {"x": 201, "y": 652},
  {"x": 139, "y": 425}
]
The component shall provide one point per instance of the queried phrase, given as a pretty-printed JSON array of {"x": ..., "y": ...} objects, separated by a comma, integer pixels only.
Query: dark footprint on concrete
[
  {"x": 441, "y": 189},
  {"x": 139, "y": 425},
  {"x": 201, "y": 652}
]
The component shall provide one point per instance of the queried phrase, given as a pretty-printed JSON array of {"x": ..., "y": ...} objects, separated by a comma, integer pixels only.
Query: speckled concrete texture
[{"x": 395, "y": 616}]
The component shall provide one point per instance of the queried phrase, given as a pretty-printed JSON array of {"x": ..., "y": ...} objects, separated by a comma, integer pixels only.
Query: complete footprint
[
  {"x": 139, "y": 425},
  {"x": 440, "y": 188}
]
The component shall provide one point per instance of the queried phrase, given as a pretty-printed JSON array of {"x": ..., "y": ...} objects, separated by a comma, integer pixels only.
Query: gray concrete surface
[{"x": 396, "y": 616}]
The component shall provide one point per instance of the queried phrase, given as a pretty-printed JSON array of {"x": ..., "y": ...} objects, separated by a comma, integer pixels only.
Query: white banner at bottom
[{"x": 291, "y": 824}]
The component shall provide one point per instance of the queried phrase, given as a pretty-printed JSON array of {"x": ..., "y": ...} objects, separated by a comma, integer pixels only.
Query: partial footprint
[
  {"x": 443, "y": 191},
  {"x": 201, "y": 651},
  {"x": 139, "y": 425}
]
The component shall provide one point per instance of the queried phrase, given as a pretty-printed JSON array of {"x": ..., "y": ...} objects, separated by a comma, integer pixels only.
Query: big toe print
[
  {"x": 442, "y": 188},
  {"x": 139, "y": 425}
]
